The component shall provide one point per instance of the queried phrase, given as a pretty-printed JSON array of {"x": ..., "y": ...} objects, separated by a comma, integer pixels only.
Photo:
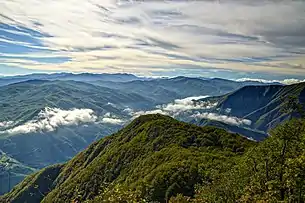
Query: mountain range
[
  {"x": 87, "y": 77},
  {"x": 48, "y": 118}
]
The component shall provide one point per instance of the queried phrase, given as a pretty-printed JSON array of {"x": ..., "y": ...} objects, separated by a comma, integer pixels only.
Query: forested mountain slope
[{"x": 155, "y": 156}]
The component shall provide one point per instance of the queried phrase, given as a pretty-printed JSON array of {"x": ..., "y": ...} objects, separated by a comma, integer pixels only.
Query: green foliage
[
  {"x": 34, "y": 187},
  {"x": 180, "y": 199},
  {"x": 273, "y": 171},
  {"x": 117, "y": 194}
]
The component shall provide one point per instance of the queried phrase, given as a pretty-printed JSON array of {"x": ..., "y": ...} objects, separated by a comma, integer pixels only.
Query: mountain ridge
[
  {"x": 69, "y": 76},
  {"x": 119, "y": 158}
]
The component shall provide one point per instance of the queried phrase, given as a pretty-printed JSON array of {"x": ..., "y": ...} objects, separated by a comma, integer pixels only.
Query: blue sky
[{"x": 230, "y": 39}]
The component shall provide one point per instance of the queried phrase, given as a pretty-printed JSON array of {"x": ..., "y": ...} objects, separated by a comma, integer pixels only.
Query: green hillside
[
  {"x": 155, "y": 157},
  {"x": 272, "y": 171}
]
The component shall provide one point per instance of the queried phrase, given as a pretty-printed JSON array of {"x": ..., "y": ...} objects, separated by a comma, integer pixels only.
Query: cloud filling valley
[{"x": 49, "y": 119}]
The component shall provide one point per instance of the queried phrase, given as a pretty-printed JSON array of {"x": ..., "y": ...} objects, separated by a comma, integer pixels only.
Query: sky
[{"x": 229, "y": 39}]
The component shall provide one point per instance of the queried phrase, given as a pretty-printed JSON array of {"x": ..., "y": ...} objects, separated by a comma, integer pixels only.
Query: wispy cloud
[
  {"x": 108, "y": 118},
  {"x": 150, "y": 36},
  {"x": 115, "y": 121},
  {"x": 223, "y": 118}
]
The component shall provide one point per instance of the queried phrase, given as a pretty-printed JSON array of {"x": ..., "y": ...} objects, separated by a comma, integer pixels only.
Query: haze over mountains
[
  {"x": 48, "y": 118},
  {"x": 85, "y": 77}
]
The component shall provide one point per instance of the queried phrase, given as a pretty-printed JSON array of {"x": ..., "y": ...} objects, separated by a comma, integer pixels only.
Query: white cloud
[
  {"x": 49, "y": 119},
  {"x": 128, "y": 111},
  {"x": 291, "y": 81},
  {"x": 285, "y": 81},
  {"x": 187, "y": 104},
  {"x": 187, "y": 107},
  {"x": 147, "y": 36},
  {"x": 6, "y": 124},
  {"x": 115, "y": 121},
  {"x": 111, "y": 104},
  {"x": 109, "y": 118},
  {"x": 223, "y": 118}
]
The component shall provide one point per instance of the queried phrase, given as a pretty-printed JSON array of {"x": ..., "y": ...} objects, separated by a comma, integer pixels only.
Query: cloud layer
[
  {"x": 153, "y": 36},
  {"x": 190, "y": 107},
  {"x": 285, "y": 81},
  {"x": 50, "y": 119}
]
